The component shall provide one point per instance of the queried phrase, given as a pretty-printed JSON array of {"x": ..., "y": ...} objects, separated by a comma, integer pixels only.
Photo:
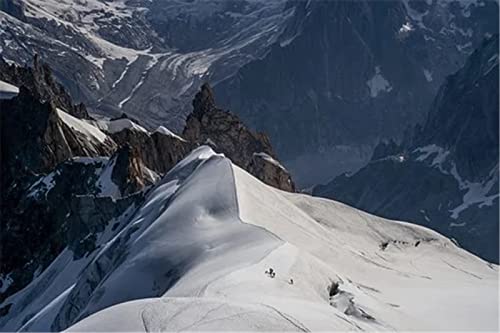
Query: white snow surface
[
  {"x": 165, "y": 131},
  {"x": 193, "y": 257},
  {"x": 269, "y": 159},
  {"x": 8, "y": 90},
  {"x": 117, "y": 125},
  {"x": 105, "y": 183},
  {"x": 91, "y": 132}
]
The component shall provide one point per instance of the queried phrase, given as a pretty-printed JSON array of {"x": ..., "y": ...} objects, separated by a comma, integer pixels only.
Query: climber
[
  {"x": 291, "y": 281},
  {"x": 271, "y": 273}
]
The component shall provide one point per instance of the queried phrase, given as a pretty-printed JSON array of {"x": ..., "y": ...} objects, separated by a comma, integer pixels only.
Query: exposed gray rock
[
  {"x": 226, "y": 134},
  {"x": 39, "y": 80},
  {"x": 90, "y": 215},
  {"x": 271, "y": 172},
  {"x": 35, "y": 139},
  {"x": 158, "y": 151},
  {"x": 129, "y": 172}
]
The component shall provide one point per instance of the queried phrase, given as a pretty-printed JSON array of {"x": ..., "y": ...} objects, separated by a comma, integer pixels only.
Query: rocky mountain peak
[
  {"x": 385, "y": 148},
  {"x": 39, "y": 80},
  {"x": 204, "y": 100},
  {"x": 129, "y": 172},
  {"x": 226, "y": 133}
]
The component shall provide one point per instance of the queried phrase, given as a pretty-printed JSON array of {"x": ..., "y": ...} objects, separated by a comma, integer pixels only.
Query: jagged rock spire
[
  {"x": 128, "y": 170},
  {"x": 42, "y": 84},
  {"x": 204, "y": 100},
  {"x": 227, "y": 134}
]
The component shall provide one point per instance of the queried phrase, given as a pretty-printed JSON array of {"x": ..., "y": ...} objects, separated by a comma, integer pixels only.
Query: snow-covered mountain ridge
[
  {"x": 64, "y": 173},
  {"x": 194, "y": 256}
]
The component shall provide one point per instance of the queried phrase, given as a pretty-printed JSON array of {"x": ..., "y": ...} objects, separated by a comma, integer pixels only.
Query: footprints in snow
[{"x": 383, "y": 246}]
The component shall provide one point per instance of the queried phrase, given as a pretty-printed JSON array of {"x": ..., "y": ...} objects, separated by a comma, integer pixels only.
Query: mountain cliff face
[
  {"x": 225, "y": 133},
  {"x": 348, "y": 73},
  {"x": 444, "y": 176},
  {"x": 39, "y": 80}
]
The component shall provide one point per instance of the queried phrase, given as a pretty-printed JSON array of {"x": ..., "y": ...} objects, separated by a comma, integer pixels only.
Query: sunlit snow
[{"x": 194, "y": 256}]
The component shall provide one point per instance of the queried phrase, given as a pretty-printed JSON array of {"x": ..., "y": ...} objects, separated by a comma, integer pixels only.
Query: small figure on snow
[
  {"x": 333, "y": 289},
  {"x": 291, "y": 281},
  {"x": 271, "y": 273}
]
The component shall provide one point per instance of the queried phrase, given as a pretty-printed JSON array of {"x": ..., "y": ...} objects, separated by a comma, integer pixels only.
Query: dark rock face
[
  {"x": 464, "y": 115},
  {"x": 33, "y": 207},
  {"x": 62, "y": 208},
  {"x": 35, "y": 139},
  {"x": 271, "y": 172},
  {"x": 129, "y": 172},
  {"x": 197, "y": 25},
  {"x": 91, "y": 215},
  {"x": 158, "y": 151},
  {"x": 226, "y": 134},
  {"x": 13, "y": 7},
  {"x": 347, "y": 74},
  {"x": 42, "y": 85},
  {"x": 446, "y": 175}
]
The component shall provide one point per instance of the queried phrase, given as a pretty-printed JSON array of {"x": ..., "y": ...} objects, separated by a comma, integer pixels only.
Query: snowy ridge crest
[{"x": 212, "y": 247}]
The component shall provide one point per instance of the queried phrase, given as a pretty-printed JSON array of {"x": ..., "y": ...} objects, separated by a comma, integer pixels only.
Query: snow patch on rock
[
  {"x": 8, "y": 90},
  {"x": 81, "y": 126},
  {"x": 165, "y": 131},
  {"x": 378, "y": 83}
]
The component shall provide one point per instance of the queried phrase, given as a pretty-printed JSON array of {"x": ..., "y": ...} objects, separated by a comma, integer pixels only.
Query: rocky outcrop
[
  {"x": 89, "y": 216},
  {"x": 35, "y": 138},
  {"x": 129, "y": 172},
  {"x": 271, "y": 172},
  {"x": 42, "y": 85},
  {"x": 69, "y": 206},
  {"x": 158, "y": 151},
  {"x": 226, "y": 134},
  {"x": 385, "y": 148},
  {"x": 446, "y": 175}
]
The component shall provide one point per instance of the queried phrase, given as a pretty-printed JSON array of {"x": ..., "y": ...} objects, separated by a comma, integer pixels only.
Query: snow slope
[
  {"x": 81, "y": 126},
  {"x": 7, "y": 90},
  {"x": 193, "y": 256}
]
